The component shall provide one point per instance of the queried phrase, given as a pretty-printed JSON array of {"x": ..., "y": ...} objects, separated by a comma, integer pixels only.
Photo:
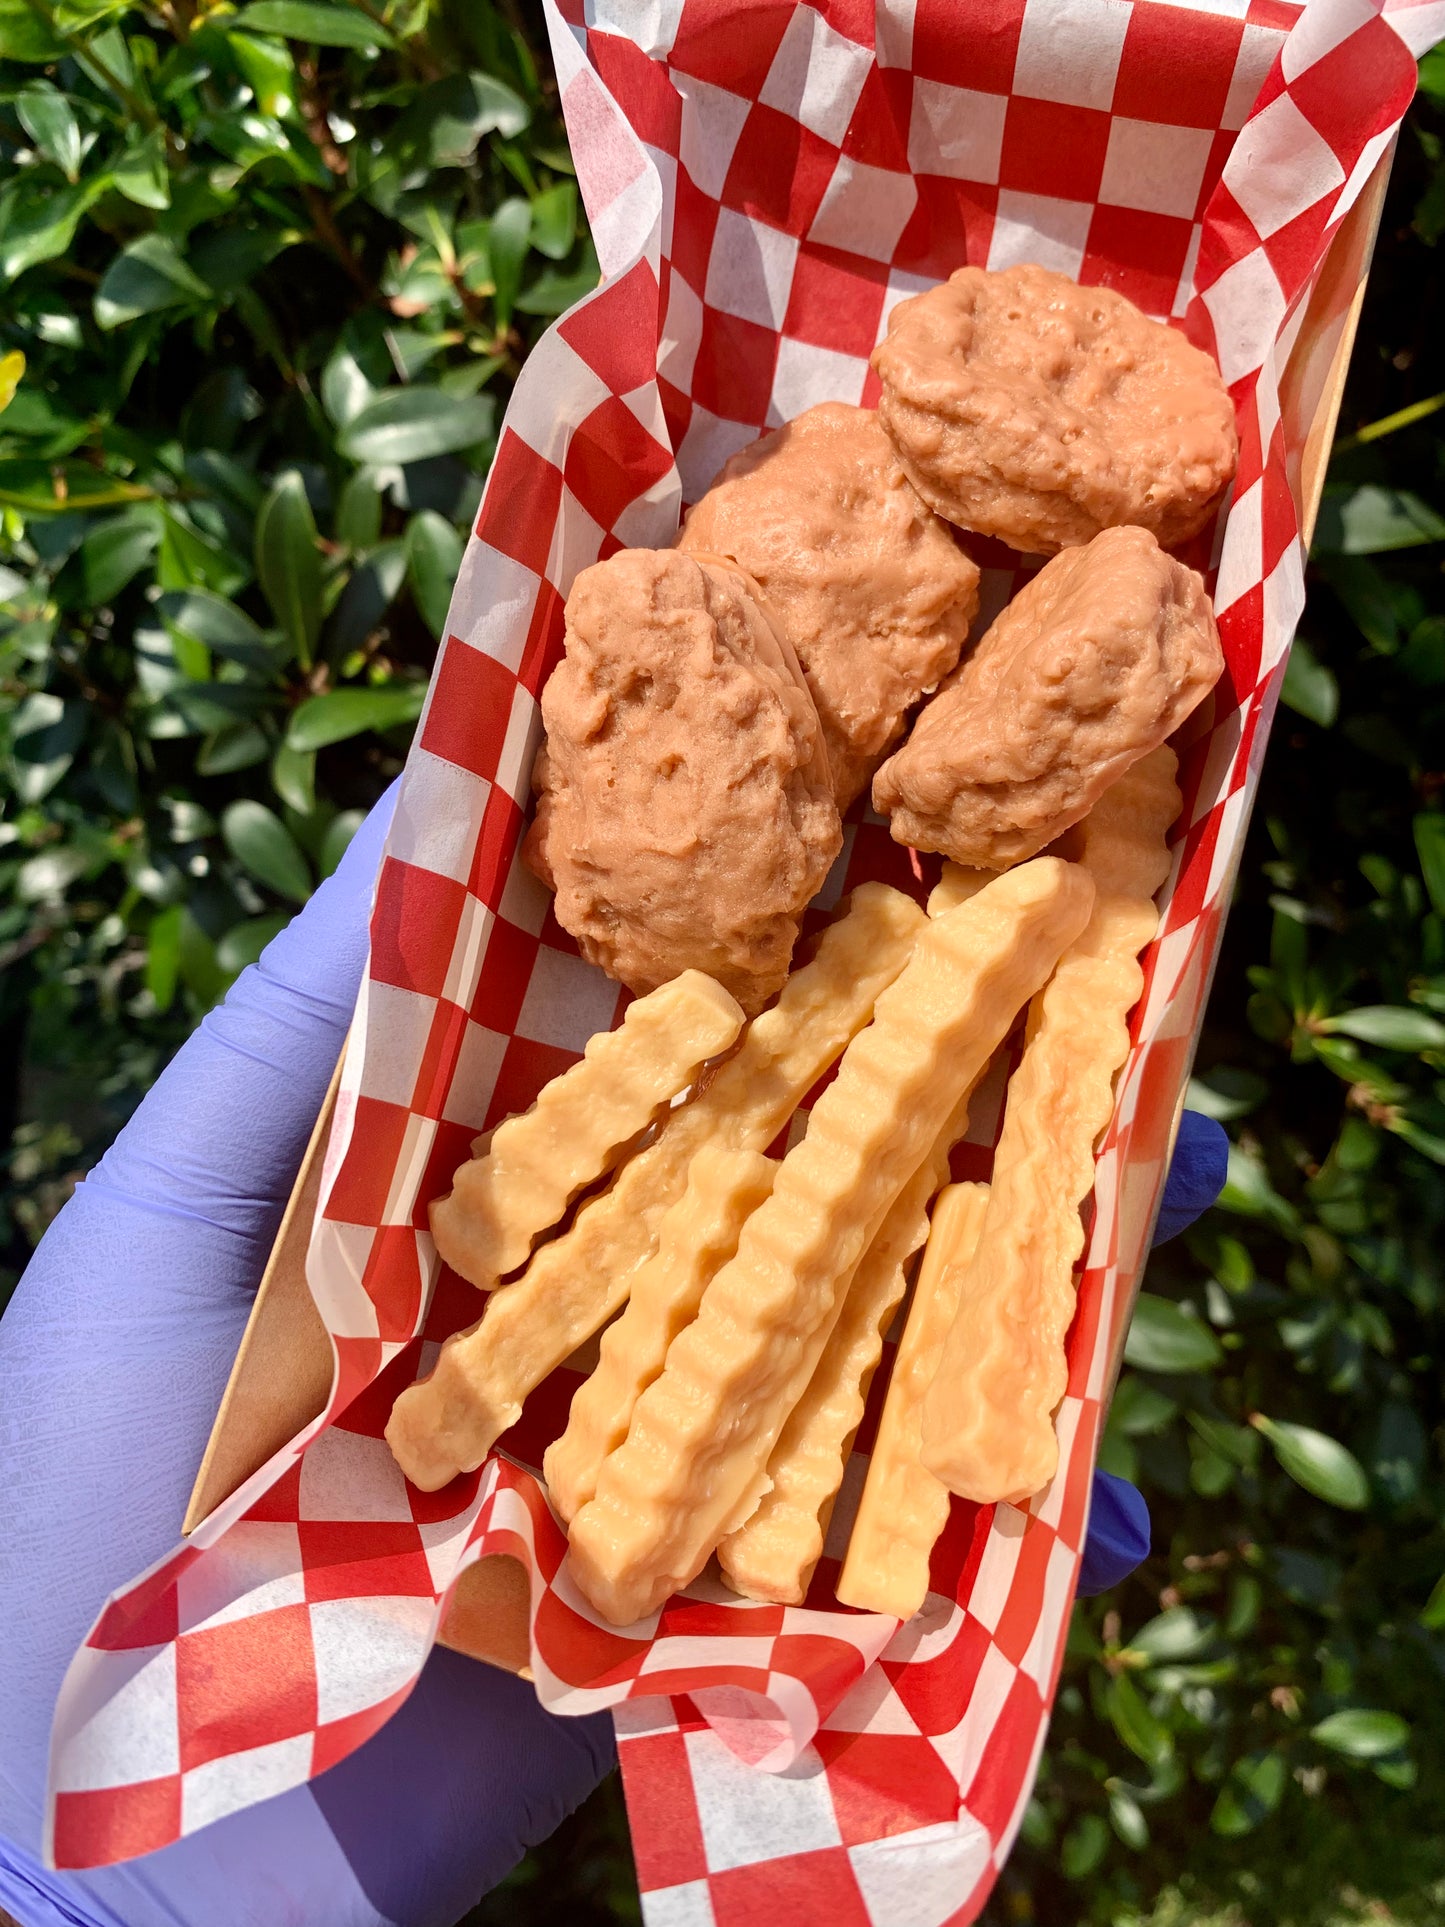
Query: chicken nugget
[
  {"x": 1028, "y": 408},
  {"x": 872, "y": 589},
  {"x": 1092, "y": 665},
  {"x": 685, "y": 815}
]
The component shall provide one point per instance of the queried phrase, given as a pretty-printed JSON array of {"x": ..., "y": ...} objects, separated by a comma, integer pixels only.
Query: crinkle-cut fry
[
  {"x": 904, "y": 1507},
  {"x": 503, "y": 1199},
  {"x": 694, "y": 1463},
  {"x": 448, "y": 1423},
  {"x": 772, "y": 1555},
  {"x": 957, "y": 885},
  {"x": 697, "y": 1236},
  {"x": 988, "y": 1426}
]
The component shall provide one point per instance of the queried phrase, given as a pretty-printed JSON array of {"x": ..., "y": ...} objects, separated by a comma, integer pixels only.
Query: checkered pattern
[{"x": 764, "y": 181}]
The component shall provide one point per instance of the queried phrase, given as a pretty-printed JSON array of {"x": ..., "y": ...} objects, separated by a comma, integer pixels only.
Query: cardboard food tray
[
  {"x": 282, "y": 1374},
  {"x": 763, "y": 178}
]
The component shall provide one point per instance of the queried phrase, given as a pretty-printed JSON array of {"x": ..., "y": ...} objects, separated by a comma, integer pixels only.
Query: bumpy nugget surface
[
  {"x": 872, "y": 589},
  {"x": 685, "y": 814},
  {"x": 1026, "y": 407},
  {"x": 1094, "y": 662}
]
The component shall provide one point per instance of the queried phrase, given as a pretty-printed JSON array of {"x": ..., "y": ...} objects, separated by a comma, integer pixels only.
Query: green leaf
[
  {"x": 49, "y": 119},
  {"x": 293, "y": 777},
  {"x": 1432, "y": 1613},
  {"x": 1164, "y": 1338},
  {"x": 1390, "y": 1026},
  {"x": 1430, "y": 848},
  {"x": 25, "y": 36},
  {"x": 269, "y": 70},
  {"x": 1249, "y": 1193},
  {"x": 288, "y": 564},
  {"x": 1178, "y": 1633},
  {"x": 1432, "y": 74},
  {"x": 1372, "y": 520},
  {"x": 140, "y": 172},
  {"x": 433, "y": 557},
  {"x": 1144, "y": 1734},
  {"x": 1309, "y": 687},
  {"x": 1127, "y": 1817},
  {"x": 1225, "y": 1093},
  {"x": 411, "y": 424},
  {"x": 146, "y": 278},
  {"x": 217, "y": 622},
  {"x": 1320, "y": 1464},
  {"x": 339, "y": 832},
  {"x": 266, "y": 849},
  {"x": 163, "y": 956},
  {"x": 1138, "y": 1409},
  {"x": 1083, "y": 1847},
  {"x": 507, "y": 240},
  {"x": 189, "y": 558},
  {"x": 342, "y": 713},
  {"x": 115, "y": 551},
  {"x": 345, "y": 389},
  {"x": 1250, "y": 1794},
  {"x": 358, "y": 513},
  {"x": 553, "y": 293},
  {"x": 314, "y": 21},
  {"x": 554, "y": 220},
  {"x": 39, "y": 223},
  {"x": 240, "y": 746},
  {"x": 443, "y": 124},
  {"x": 47, "y": 877},
  {"x": 244, "y": 942},
  {"x": 1362, "y": 1733}
]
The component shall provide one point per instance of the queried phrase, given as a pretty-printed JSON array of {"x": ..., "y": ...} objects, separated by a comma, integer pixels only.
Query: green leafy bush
[{"x": 271, "y": 271}]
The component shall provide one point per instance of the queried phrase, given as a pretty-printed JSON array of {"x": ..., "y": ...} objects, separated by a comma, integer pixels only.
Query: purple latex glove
[{"x": 113, "y": 1356}]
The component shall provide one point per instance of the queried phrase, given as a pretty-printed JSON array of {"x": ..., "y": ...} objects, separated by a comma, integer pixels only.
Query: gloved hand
[{"x": 113, "y": 1356}]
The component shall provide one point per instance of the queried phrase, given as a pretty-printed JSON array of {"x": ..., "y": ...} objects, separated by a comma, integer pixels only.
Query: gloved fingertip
[
  {"x": 1196, "y": 1174},
  {"x": 1119, "y": 1535}
]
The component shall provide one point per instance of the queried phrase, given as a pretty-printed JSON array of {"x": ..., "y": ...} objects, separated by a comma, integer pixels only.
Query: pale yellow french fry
[
  {"x": 957, "y": 885},
  {"x": 447, "y": 1423},
  {"x": 697, "y": 1236},
  {"x": 773, "y": 1554},
  {"x": 522, "y": 1182},
  {"x": 904, "y": 1507},
  {"x": 988, "y": 1428},
  {"x": 694, "y": 1463}
]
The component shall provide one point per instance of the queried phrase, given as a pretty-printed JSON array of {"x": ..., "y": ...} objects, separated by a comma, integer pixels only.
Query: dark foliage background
[{"x": 269, "y": 273}]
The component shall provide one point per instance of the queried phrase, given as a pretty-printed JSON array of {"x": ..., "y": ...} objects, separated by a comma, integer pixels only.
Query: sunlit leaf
[
  {"x": 314, "y": 21},
  {"x": 1390, "y": 1026},
  {"x": 1164, "y": 1338},
  {"x": 263, "y": 846},
  {"x": 288, "y": 563},
  {"x": 1317, "y": 1462},
  {"x": 411, "y": 424},
  {"x": 1309, "y": 687},
  {"x": 1362, "y": 1733},
  {"x": 341, "y": 713},
  {"x": 1250, "y": 1794},
  {"x": 146, "y": 278},
  {"x": 1372, "y": 520},
  {"x": 433, "y": 557}
]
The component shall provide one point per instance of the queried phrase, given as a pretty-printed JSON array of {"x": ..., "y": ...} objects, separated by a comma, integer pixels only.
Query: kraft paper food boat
[{"x": 763, "y": 181}]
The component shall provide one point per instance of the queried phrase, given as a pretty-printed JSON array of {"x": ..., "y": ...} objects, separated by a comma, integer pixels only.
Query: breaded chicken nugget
[
  {"x": 872, "y": 589},
  {"x": 1093, "y": 664},
  {"x": 685, "y": 814},
  {"x": 1026, "y": 407}
]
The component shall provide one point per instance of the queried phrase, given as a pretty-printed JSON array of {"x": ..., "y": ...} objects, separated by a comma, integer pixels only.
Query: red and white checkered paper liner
[{"x": 764, "y": 180}]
